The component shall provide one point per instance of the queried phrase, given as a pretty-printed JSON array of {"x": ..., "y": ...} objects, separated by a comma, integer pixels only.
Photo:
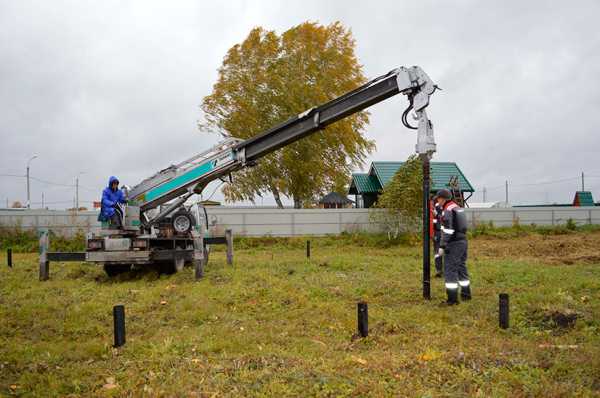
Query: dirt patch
[
  {"x": 558, "y": 321},
  {"x": 565, "y": 320},
  {"x": 553, "y": 249}
]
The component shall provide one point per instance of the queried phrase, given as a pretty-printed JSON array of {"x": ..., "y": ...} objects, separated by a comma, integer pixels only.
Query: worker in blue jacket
[{"x": 111, "y": 197}]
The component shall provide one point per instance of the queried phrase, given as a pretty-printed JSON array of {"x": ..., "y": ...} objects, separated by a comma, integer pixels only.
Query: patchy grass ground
[{"x": 276, "y": 324}]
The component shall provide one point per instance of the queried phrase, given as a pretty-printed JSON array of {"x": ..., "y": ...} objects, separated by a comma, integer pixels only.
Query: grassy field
[{"x": 276, "y": 324}]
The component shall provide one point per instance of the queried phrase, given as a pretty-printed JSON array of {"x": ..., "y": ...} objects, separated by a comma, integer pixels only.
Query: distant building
[
  {"x": 368, "y": 186},
  {"x": 334, "y": 200}
]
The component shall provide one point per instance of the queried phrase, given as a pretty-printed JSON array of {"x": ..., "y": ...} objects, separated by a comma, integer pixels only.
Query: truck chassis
[{"x": 169, "y": 254}]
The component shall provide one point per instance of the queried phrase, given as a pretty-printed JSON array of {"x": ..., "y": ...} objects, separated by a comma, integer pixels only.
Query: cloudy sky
[{"x": 105, "y": 88}]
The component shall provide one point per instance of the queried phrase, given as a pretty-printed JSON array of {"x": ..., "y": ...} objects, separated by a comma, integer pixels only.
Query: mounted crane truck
[{"x": 158, "y": 226}]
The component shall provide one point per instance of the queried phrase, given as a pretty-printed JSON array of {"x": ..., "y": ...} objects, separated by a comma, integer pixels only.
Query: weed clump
[
  {"x": 358, "y": 239},
  {"x": 517, "y": 230}
]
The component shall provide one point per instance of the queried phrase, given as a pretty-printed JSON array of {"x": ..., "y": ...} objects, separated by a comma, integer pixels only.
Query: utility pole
[
  {"x": 28, "y": 192},
  {"x": 506, "y": 192},
  {"x": 582, "y": 181},
  {"x": 77, "y": 193},
  {"x": 28, "y": 202},
  {"x": 77, "y": 190},
  {"x": 42, "y": 200},
  {"x": 484, "y": 195}
]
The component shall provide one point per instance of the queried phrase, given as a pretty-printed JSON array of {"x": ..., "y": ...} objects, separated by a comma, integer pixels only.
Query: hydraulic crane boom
[
  {"x": 412, "y": 81},
  {"x": 191, "y": 176}
]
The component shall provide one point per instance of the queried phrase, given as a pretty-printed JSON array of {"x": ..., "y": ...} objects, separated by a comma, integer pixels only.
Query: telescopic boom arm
[
  {"x": 191, "y": 176},
  {"x": 410, "y": 81}
]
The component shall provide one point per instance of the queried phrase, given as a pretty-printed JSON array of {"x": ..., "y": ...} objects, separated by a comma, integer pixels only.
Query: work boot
[
  {"x": 465, "y": 293},
  {"x": 452, "y": 297}
]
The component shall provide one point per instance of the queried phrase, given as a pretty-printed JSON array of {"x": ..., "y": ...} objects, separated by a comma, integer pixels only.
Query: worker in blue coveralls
[{"x": 111, "y": 197}]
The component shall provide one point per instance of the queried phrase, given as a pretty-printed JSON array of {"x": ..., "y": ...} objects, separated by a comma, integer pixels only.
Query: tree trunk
[
  {"x": 297, "y": 203},
  {"x": 277, "y": 197}
]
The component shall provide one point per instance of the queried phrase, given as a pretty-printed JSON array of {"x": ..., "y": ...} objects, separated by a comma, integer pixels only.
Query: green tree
[
  {"x": 267, "y": 79},
  {"x": 399, "y": 208}
]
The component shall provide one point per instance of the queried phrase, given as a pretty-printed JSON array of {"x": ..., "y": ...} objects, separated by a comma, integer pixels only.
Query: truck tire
[
  {"x": 116, "y": 269},
  {"x": 183, "y": 222},
  {"x": 166, "y": 267}
]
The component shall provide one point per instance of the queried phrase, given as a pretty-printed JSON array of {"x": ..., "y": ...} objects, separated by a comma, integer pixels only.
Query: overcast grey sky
[{"x": 114, "y": 87}]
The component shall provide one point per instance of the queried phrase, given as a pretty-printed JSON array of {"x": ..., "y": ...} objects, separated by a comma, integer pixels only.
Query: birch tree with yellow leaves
[{"x": 269, "y": 78}]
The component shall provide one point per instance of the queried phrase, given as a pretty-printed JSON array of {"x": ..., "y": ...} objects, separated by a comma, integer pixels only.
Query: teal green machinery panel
[{"x": 180, "y": 181}]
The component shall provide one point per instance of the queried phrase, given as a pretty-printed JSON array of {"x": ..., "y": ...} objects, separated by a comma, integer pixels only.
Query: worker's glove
[{"x": 441, "y": 252}]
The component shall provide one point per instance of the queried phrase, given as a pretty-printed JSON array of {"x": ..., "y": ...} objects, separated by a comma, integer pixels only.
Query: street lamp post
[{"x": 28, "y": 191}]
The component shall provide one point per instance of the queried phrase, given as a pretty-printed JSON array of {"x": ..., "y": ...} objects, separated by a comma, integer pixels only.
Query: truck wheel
[
  {"x": 182, "y": 222},
  {"x": 166, "y": 267},
  {"x": 116, "y": 269}
]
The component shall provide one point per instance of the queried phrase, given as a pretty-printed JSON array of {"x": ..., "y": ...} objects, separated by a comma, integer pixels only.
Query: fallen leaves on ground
[
  {"x": 560, "y": 346},
  {"x": 358, "y": 360},
  {"x": 110, "y": 383}
]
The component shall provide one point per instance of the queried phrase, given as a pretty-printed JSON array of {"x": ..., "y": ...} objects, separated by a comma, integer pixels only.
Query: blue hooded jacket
[{"x": 110, "y": 199}]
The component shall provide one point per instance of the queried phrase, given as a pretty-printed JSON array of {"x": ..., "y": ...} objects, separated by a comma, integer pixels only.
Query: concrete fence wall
[
  {"x": 65, "y": 223},
  {"x": 292, "y": 222}
]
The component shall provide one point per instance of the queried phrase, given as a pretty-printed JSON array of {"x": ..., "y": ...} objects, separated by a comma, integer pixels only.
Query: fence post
[
  {"x": 363, "y": 319},
  {"x": 9, "y": 257},
  {"x": 308, "y": 249},
  {"x": 199, "y": 256},
  {"x": 44, "y": 263},
  {"x": 199, "y": 268},
  {"x": 119, "y": 323},
  {"x": 503, "y": 310},
  {"x": 590, "y": 217},
  {"x": 229, "y": 240}
]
